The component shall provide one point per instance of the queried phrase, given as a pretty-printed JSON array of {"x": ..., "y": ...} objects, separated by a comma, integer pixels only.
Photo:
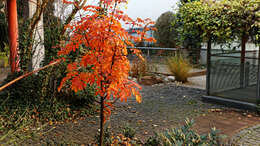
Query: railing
[
  {"x": 158, "y": 54},
  {"x": 228, "y": 73}
]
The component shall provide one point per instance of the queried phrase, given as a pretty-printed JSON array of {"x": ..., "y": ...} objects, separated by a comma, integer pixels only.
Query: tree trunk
[
  {"x": 13, "y": 34},
  {"x": 38, "y": 50},
  {"x": 242, "y": 60},
  {"x": 101, "y": 140},
  {"x": 208, "y": 65}
]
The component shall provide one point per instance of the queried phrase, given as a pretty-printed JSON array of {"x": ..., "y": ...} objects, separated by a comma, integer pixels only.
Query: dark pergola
[{"x": 233, "y": 76}]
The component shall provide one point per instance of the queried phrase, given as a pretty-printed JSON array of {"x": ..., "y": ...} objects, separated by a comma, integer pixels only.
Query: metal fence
[{"x": 159, "y": 55}]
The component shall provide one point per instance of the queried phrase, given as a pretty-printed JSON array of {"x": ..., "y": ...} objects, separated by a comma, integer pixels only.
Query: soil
[{"x": 164, "y": 106}]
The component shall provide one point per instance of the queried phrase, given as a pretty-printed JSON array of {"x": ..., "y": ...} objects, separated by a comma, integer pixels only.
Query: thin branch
[
  {"x": 37, "y": 16},
  {"x": 97, "y": 101},
  {"x": 72, "y": 15},
  {"x": 28, "y": 74}
]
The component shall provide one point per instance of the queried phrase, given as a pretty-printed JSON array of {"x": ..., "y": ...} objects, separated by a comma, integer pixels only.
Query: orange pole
[{"x": 13, "y": 34}]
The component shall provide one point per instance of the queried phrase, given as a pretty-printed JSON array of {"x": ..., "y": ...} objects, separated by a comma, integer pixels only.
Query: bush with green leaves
[
  {"x": 27, "y": 94},
  {"x": 185, "y": 135},
  {"x": 153, "y": 141},
  {"x": 39, "y": 91},
  {"x": 129, "y": 132},
  {"x": 108, "y": 138}
]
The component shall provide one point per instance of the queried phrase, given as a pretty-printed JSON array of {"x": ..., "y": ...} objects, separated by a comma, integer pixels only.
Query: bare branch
[
  {"x": 37, "y": 16},
  {"x": 28, "y": 74},
  {"x": 72, "y": 15}
]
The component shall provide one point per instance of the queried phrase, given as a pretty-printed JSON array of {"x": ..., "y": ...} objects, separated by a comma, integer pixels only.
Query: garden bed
[{"x": 164, "y": 106}]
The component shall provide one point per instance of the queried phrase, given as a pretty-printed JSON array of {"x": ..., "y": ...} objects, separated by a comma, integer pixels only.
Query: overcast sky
[{"x": 149, "y": 8}]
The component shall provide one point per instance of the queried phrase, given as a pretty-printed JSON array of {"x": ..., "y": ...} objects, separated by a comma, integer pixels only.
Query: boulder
[{"x": 169, "y": 79}]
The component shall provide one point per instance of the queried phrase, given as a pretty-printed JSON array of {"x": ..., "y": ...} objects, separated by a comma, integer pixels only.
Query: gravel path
[{"x": 164, "y": 106}]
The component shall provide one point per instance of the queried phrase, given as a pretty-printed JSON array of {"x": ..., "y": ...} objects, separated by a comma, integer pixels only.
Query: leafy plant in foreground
[
  {"x": 186, "y": 136},
  {"x": 129, "y": 132}
]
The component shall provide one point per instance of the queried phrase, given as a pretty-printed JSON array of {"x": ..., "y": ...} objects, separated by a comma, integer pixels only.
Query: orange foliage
[{"x": 105, "y": 43}]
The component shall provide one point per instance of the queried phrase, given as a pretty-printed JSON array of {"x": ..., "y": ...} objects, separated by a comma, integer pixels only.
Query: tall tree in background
[
  {"x": 188, "y": 39},
  {"x": 166, "y": 34}
]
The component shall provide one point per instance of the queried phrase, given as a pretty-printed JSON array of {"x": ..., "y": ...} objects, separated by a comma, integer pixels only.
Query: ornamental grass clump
[{"x": 179, "y": 67}]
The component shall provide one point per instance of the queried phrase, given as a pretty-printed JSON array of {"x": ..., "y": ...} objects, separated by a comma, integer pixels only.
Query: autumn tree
[{"x": 99, "y": 43}]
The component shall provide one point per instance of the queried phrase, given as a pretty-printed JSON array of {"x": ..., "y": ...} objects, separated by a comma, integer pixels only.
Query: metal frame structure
[{"x": 245, "y": 72}]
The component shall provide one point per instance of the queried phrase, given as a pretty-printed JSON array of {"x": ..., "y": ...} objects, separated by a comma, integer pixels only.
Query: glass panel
[{"x": 228, "y": 79}]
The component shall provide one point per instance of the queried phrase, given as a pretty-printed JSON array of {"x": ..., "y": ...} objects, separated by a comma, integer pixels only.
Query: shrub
[
  {"x": 153, "y": 141},
  {"x": 108, "y": 138},
  {"x": 129, "y": 132},
  {"x": 185, "y": 136},
  {"x": 179, "y": 67},
  {"x": 3, "y": 61},
  {"x": 139, "y": 68},
  {"x": 27, "y": 94}
]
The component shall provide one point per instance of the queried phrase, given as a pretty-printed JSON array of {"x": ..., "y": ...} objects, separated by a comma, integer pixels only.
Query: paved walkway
[
  {"x": 230, "y": 122},
  {"x": 248, "y": 137}
]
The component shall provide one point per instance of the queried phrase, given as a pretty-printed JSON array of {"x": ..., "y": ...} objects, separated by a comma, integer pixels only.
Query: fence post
[
  {"x": 247, "y": 71},
  {"x": 208, "y": 66},
  {"x": 258, "y": 76}
]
